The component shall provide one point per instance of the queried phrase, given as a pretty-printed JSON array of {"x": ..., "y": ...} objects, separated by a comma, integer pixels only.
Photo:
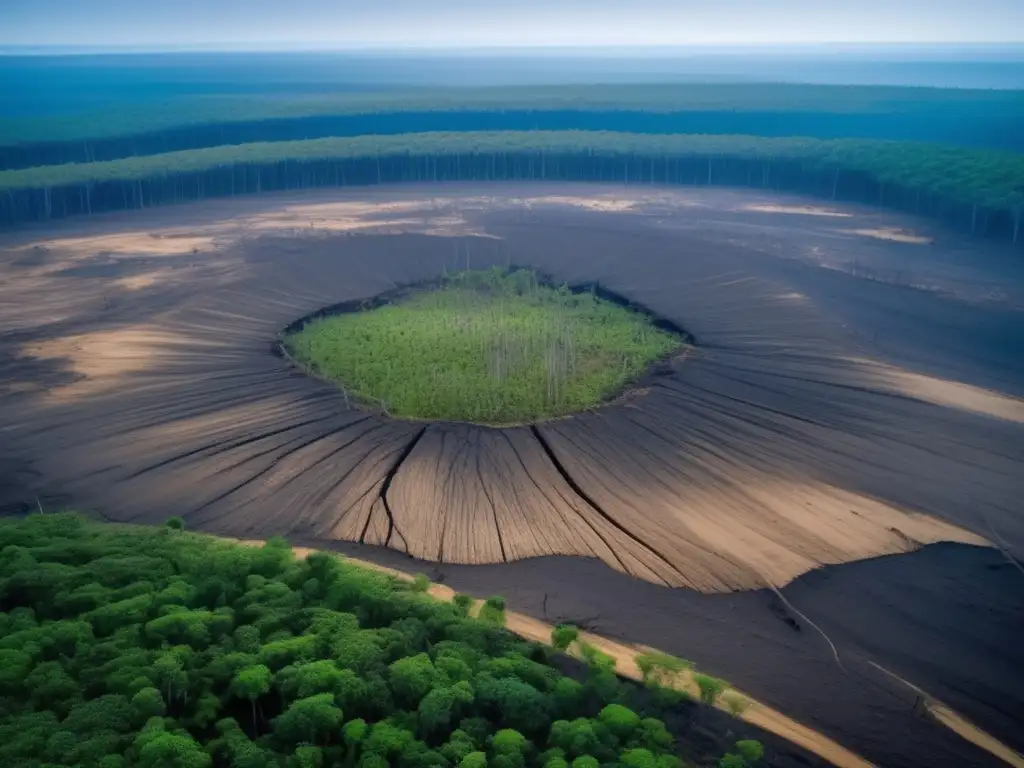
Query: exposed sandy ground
[
  {"x": 830, "y": 413},
  {"x": 895, "y": 235},
  {"x": 801, "y": 210}
]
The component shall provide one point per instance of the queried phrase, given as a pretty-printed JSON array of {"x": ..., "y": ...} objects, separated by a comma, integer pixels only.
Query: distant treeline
[
  {"x": 990, "y": 119},
  {"x": 979, "y": 191}
]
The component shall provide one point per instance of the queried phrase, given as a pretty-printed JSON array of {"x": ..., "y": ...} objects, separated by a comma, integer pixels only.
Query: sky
[{"x": 502, "y": 23}]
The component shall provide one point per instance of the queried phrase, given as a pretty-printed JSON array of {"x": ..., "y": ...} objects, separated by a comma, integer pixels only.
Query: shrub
[
  {"x": 175, "y": 523},
  {"x": 658, "y": 667},
  {"x": 750, "y": 749},
  {"x": 710, "y": 688},
  {"x": 463, "y": 604},
  {"x": 493, "y": 611},
  {"x": 420, "y": 583},
  {"x": 597, "y": 660},
  {"x": 735, "y": 703},
  {"x": 563, "y": 636}
]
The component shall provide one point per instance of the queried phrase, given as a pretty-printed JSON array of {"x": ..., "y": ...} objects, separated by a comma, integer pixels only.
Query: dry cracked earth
[{"x": 854, "y": 391}]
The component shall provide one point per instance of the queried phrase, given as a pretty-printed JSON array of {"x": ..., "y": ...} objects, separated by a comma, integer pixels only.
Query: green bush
[
  {"x": 735, "y": 703},
  {"x": 493, "y": 611},
  {"x": 710, "y": 688},
  {"x": 420, "y": 583},
  {"x": 660, "y": 668},
  {"x": 463, "y": 604},
  {"x": 750, "y": 750},
  {"x": 596, "y": 659},
  {"x": 563, "y": 636}
]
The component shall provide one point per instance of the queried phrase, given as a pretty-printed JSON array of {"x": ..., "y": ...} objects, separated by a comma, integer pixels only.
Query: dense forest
[
  {"x": 961, "y": 117},
  {"x": 978, "y": 191},
  {"x": 124, "y": 646}
]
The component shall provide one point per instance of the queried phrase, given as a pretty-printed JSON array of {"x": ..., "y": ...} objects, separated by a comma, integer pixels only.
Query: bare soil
[{"x": 848, "y": 397}]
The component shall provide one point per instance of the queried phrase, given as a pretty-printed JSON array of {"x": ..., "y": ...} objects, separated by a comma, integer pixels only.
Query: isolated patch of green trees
[
  {"x": 485, "y": 346},
  {"x": 980, "y": 191},
  {"x": 122, "y": 647}
]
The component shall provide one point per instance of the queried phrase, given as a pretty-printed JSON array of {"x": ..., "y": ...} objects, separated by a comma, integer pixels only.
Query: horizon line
[{"x": 825, "y": 46}]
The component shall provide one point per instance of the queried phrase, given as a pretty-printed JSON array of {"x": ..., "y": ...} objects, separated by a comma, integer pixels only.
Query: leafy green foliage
[
  {"x": 203, "y": 654},
  {"x": 563, "y": 636},
  {"x": 750, "y": 750},
  {"x": 660, "y": 668},
  {"x": 311, "y": 719},
  {"x": 620, "y": 720},
  {"x": 493, "y": 610},
  {"x": 735, "y": 703},
  {"x": 485, "y": 346},
  {"x": 463, "y": 604},
  {"x": 596, "y": 659},
  {"x": 710, "y": 688}
]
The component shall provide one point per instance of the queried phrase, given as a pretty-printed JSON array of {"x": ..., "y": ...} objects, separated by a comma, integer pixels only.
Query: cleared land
[
  {"x": 824, "y": 418},
  {"x": 971, "y": 189},
  {"x": 483, "y": 347}
]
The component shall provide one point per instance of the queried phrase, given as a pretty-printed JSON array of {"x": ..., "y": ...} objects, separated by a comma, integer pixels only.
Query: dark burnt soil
[
  {"x": 947, "y": 618},
  {"x": 782, "y": 445}
]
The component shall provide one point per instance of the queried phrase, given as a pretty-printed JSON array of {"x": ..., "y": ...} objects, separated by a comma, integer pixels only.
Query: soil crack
[
  {"x": 593, "y": 503},
  {"x": 386, "y": 485}
]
